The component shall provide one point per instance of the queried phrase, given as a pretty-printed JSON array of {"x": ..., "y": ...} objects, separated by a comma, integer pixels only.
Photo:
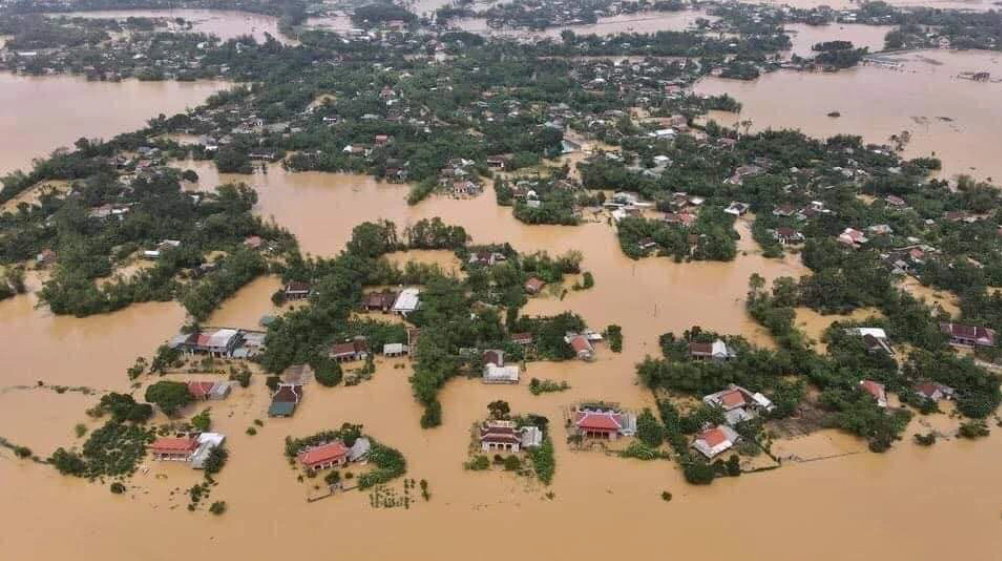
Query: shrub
[
  {"x": 512, "y": 463},
  {"x": 202, "y": 421},
  {"x": 218, "y": 507},
  {"x": 698, "y": 472},
  {"x": 478, "y": 463},
  {"x": 169, "y": 396},
  {"x": 666, "y": 496},
  {"x": 117, "y": 488},
  {"x": 328, "y": 373},
  {"x": 22, "y": 452},
  {"x": 973, "y": 429},
  {"x": 925, "y": 439}
]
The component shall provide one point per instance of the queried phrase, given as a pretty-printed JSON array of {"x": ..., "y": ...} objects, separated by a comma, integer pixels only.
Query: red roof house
[
  {"x": 324, "y": 456},
  {"x": 174, "y": 449}
]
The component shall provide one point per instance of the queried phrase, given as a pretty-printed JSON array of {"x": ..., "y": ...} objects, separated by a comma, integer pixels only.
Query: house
[
  {"x": 581, "y": 345},
  {"x": 207, "y": 442},
  {"x": 356, "y": 349},
  {"x": 875, "y": 389},
  {"x": 298, "y": 374},
  {"x": 788, "y": 236},
  {"x": 379, "y": 301},
  {"x": 487, "y": 258},
  {"x": 495, "y": 371},
  {"x": 524, "y": 339},
  {"x": 534, "y": 285},
  {"x": 715, "y": 441},
  {"x": 407, "y": 301},
  {"x": 45, "y": 258},
  {"x": 934, "y": 391},
  {"x": 500, "y": 436},
  {"x": 717, "y": 350},
  {"x": 968, "y": 335},
  {"x": 217, "y": 343},
  {"x": 875, "y": 339},
  {"x": 285, "y": 400},
  {"x": 324, "y": 456},
  {"x": 359, "y": 451},
  {"x": 253, "y": 242},
  {"x": 785, "y": 210},
  {"x": 895, "y": 202},
  {"x": 296, "y": 290},
  {"x": 200, "y": 390},
  {"x": 497, "y": 163},
  {"x": 394, "y": 349},
  {"x": 681, "y": 218},
  {"x": 737, "y": 209},
  {"x": 852, "y": 238},
  {"x": 739, "y": 404},
  {"x": 604, "y": 423},
  {"x": 170, "y": 449}
]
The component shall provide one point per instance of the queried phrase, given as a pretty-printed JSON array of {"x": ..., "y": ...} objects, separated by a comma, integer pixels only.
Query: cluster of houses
[
  {"x": 459, "y": 178},
  {"x": 219, "y": 343},
  {"x": 400, "y": 303},
  {"x": 738, "y": 405}
]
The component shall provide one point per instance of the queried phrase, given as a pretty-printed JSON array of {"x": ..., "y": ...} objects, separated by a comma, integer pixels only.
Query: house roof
[
  {"x": 494, "y": 357},
  {"x": 174, "y": 445},
  {"x": 876, "y": 389},
  {"x": 323, "y": 453},
  {"x": 288, "y": 393},
  {"x": 732, "y": 398},
  {"x": 501, "y": 432},
  {"x": 713, "y": 437},
  {"x": 598, "y": 420},
  {"x": 200, "y": 389},
  {"x": 580, "y": 344},
  {"x": 281, "y": 408}
]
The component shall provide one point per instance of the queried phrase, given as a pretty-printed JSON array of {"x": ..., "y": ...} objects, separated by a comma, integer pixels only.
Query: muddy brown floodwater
[
  {"x": 947, "y": 116},
  {"x": 912, "y": 503},
  {"x": 41, "y": 114},
  {"x": 225, "y": 24}
]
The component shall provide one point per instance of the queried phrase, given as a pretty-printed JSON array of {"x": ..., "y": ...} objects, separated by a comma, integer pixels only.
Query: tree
[
  {"x": 202, "y": 421},
  {"x": 328, "y": 372},
  {"x": 499, "y": 409},
  {"x": 649, "y": 430},
  {"x": 169, "y": 396},
  {"x": 68, "y": 463}
]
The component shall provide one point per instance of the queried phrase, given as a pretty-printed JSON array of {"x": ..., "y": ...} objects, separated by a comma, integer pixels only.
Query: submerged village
[{"x": 439, "y": 256}]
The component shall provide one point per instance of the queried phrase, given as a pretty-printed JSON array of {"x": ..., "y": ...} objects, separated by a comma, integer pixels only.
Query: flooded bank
[
  {"x": 41, "y": 114},
  {"x": 947, "y": 116}
]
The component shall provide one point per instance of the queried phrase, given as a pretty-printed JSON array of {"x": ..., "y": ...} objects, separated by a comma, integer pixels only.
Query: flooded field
[
  {"x": 42, "y": 114},
  {"x": 947, "y": 116},
  {"x": 225, "y": 24}
]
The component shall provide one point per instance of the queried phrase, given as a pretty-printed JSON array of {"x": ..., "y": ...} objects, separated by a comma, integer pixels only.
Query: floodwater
[
  {"x": 623, "y": 23},
  {"x": 803, "y": 510},
  {"x": 41, "y": 114},
  {"x": 225, "y": 24},
  {"x": 805, "y": 36},
  {"x": 952, "y": 118},
  {"x": 969, "y": 5}
]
